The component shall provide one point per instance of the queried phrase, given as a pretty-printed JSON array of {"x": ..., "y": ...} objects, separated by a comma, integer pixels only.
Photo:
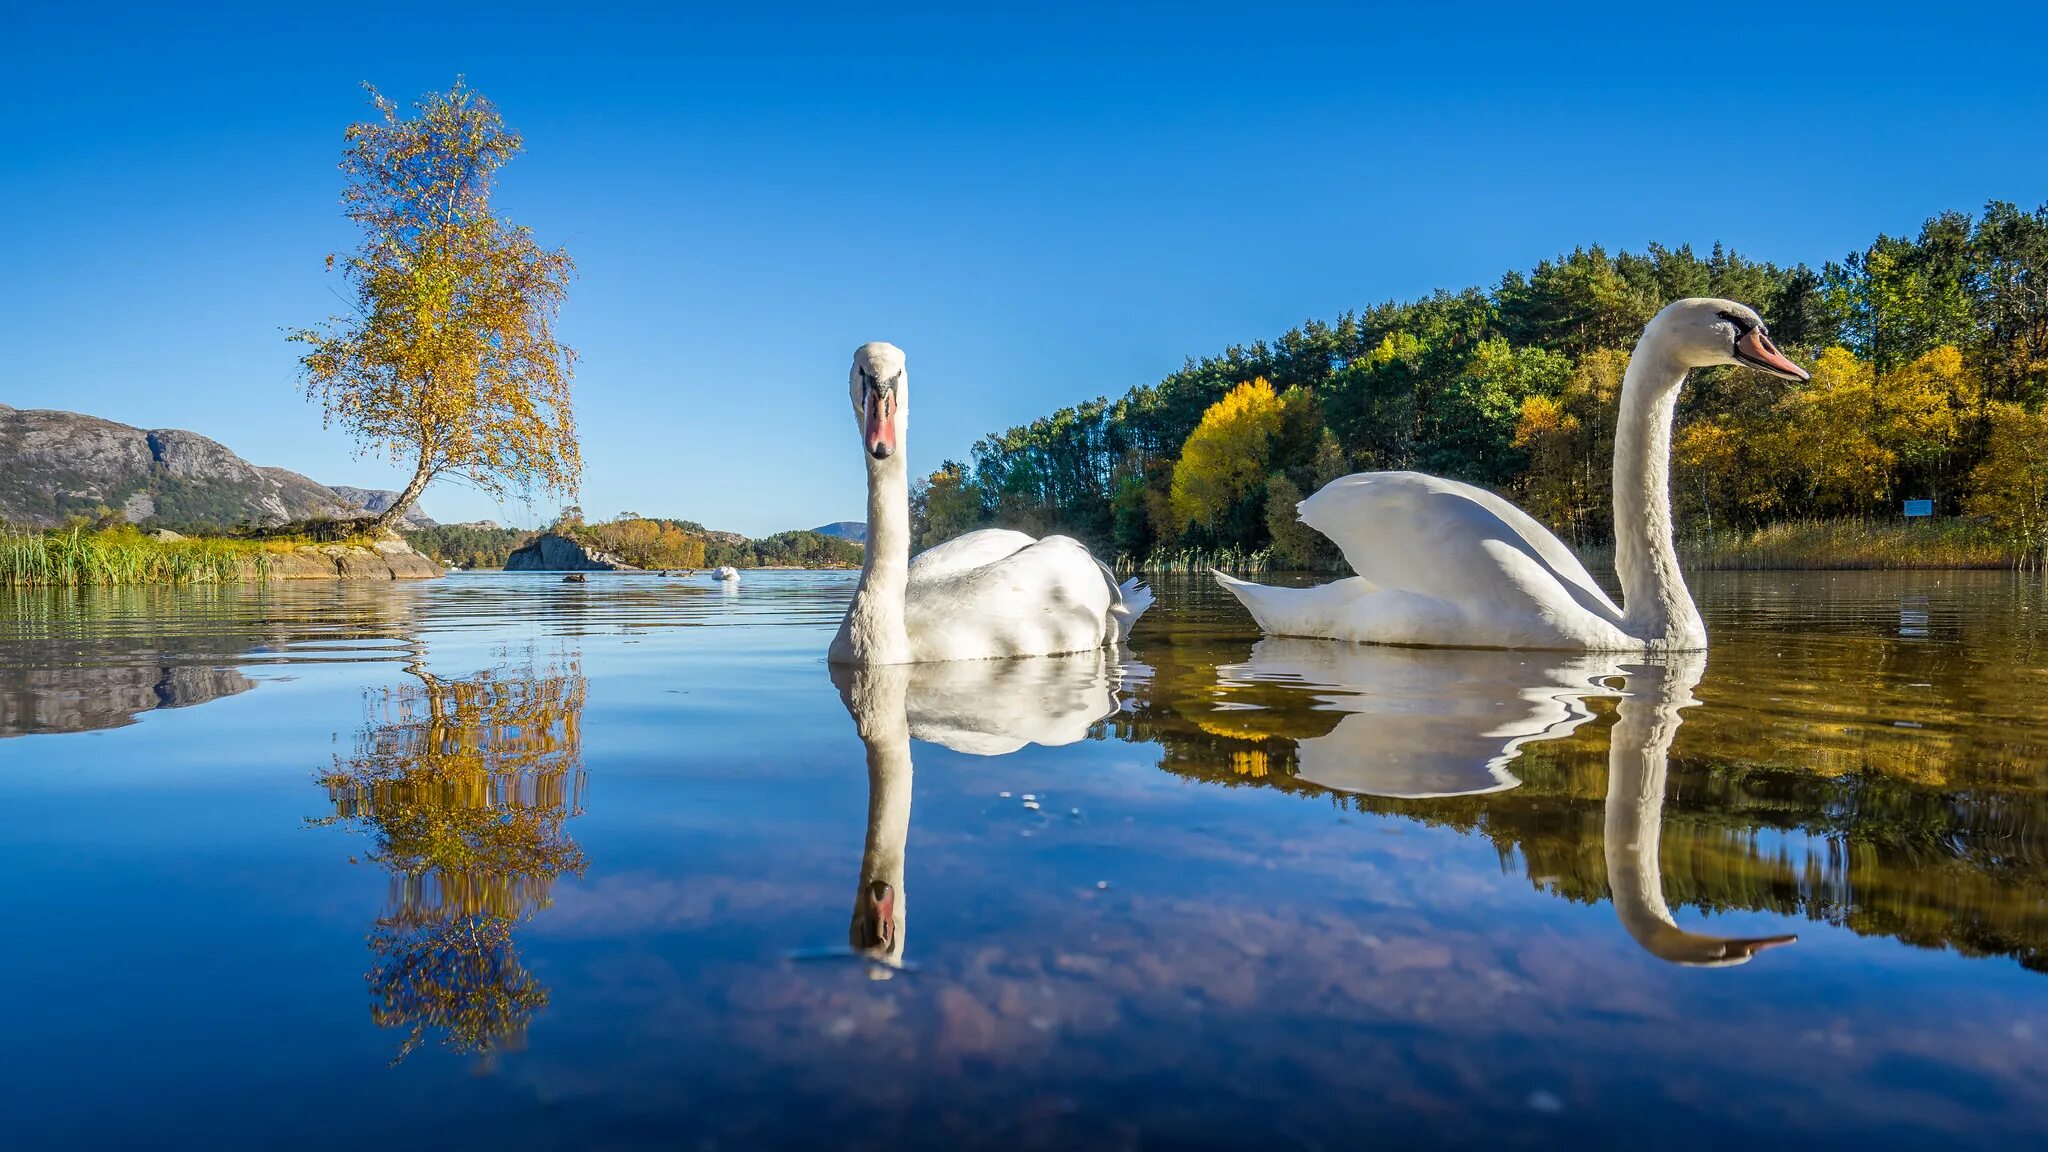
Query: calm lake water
[{"x": 496, "y": 861}]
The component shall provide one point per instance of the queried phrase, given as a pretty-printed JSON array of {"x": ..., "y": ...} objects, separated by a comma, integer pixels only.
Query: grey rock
[{"x": 553, "y": 553}]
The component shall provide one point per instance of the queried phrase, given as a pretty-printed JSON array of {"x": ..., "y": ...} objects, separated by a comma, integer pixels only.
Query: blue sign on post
[{"x": 1919, "y": 507}]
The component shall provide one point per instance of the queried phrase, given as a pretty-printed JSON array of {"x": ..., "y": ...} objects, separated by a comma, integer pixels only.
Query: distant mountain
[
  {"x": 375, "y": 500},
  {"x": 54, "y": 465},
  {"x": 855, "y": 530}
]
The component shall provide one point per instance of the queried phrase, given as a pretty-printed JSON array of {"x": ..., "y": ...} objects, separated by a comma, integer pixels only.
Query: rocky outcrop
[
  {"x": 553, "y": 553},
  {"x": 54, "y": 465},
  {"x": 384, "y": 560}
]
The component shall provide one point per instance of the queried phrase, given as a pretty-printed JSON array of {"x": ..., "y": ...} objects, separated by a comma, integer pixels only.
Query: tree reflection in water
[{"x": 466, "y": 786}]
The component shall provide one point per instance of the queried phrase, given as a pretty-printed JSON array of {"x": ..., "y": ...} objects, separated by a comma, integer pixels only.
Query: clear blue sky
[{"x": 1040, "y": 207}]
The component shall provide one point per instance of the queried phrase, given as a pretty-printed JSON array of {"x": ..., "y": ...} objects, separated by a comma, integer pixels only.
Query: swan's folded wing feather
[
  {"x": 966, "y": 552},
  {"x": 1046, "y": 598},
  {"x": 1422, "y": 533}
]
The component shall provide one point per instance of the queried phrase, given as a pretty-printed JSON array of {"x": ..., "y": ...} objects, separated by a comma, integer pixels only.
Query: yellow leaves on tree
[
  {"x": 1225, "y": 457},
  {"x": 2010, "y": 485},
  {"x": 1830, "y": 430},
  {"x": 449, "y": 360},
  {"x": 1570, "y": 442},
  {"x": 646, "y": 543}
]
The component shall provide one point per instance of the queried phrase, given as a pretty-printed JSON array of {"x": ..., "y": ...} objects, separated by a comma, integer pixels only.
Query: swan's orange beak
[
  {"x": 879, "y": 429},
  {"x": 1755, "y": 348}
]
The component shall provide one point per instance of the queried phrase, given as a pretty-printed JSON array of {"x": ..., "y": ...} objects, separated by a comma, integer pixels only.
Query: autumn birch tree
[{"x": 449, "y": 360}]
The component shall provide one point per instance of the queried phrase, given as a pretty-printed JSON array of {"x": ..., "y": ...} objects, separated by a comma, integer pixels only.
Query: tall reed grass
[
  {"x": 1160, "y": 561},
  {"x": 77, "y": 558}
]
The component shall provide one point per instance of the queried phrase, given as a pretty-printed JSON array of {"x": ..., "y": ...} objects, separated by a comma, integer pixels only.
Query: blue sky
[{"x": 1039, "y": 206}]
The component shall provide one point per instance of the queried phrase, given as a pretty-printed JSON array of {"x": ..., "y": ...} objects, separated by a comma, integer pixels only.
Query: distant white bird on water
[{"x": 729, "y": 574}]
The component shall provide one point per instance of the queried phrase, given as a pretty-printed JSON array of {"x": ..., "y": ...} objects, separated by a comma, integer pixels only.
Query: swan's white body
[
  {"x": 729, "y": 574},
  {"x": 1446, "y": 564},
  {"x": 986, "y": 595}
]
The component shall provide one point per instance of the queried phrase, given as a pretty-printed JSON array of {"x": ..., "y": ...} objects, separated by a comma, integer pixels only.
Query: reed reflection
[
  {"x": 976, "y": 707},
  {"x": 465, "y": 786}
]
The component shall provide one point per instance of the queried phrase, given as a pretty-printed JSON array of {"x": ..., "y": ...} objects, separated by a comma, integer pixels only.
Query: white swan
[
  {"x": 728, "y": 574},
  {"x": 982, "y": 596},
  {"x": 1445, "y": 564}
]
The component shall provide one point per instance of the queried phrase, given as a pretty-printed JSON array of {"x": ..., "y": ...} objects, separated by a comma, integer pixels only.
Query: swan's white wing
[
  {"x": 1046, "y": 598},
  {"x": 1444, "y": 539},
  {"x": 967, "y": 552}
]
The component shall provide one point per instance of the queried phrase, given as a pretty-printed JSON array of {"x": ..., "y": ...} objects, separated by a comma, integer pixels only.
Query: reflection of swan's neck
[
  {"x": 1636, "y": 766},
  {"x": 876, "y": 698},
  {"x": 1655, "y": 603},
  {"x": 873, "y": 631}
]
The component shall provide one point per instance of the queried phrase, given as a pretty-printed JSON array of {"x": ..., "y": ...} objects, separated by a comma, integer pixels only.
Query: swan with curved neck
[
  {"x": 986, "y": 595},
  {"x": 1445, "y": 564}
]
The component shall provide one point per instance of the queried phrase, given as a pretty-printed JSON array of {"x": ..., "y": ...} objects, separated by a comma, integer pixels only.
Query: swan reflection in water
[
  {"x": 1436, "y": 723},
  {"x": 977, "y": 707}
]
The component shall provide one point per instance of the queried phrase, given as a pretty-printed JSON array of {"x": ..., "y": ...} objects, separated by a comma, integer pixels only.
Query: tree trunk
[{"x": 388, "y": 517}]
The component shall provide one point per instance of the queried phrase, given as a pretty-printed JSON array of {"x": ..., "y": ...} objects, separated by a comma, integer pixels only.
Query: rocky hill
[
  {"x": 855, "y": 530},
  {"x": 55, "y": 465},
  {"x": 375, "y": 500}
]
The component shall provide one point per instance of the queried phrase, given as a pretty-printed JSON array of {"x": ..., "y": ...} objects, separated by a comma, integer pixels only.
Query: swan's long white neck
[
  {"x": 873, "y": 631},
  {"x": 1656, "y": 606}
]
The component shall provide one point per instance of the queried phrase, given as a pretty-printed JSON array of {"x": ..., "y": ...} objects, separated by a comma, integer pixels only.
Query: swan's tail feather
[
  {"x": 1136, "y": 597},
  {"x": 1254, "y": 597},
  {"x": 1296, "y": 611}
]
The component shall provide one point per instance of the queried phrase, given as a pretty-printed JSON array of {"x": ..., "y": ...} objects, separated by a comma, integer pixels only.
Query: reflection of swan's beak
[
  {"x": 1739, "y": 950},
  {"x": 874, "y": 920},
  {"x": 1696, "y": 951}
]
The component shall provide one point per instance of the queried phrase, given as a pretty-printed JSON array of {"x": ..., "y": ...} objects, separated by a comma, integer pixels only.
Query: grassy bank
[
  {"x": 1844, "y": 544},
  {"x": 76, "y": 558}
]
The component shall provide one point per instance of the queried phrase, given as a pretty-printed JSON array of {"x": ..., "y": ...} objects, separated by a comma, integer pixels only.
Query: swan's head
[
  {"x": 880, "y": 393},
  {"x": 1705, "y": 331}
]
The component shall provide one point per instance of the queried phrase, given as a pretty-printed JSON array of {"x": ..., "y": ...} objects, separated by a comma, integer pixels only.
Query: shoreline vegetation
[
  {"x": 101, "y": 554},
  {"x": 80, "y": 556},
  {"x": 1929, "y": 361},
  {"x": 1788, "y": 546}
]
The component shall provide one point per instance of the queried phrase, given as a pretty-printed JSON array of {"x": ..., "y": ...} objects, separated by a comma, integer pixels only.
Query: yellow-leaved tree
[
  {"x": 449, "y": 360},
  {"x": 2010, "y": 486},
  {"x": 1225, "y": 457},
  {"x": 1570, "y": 442}
]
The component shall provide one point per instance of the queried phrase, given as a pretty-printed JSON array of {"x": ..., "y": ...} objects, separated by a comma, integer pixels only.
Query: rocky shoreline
[{"x": 384, "y": 560}]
